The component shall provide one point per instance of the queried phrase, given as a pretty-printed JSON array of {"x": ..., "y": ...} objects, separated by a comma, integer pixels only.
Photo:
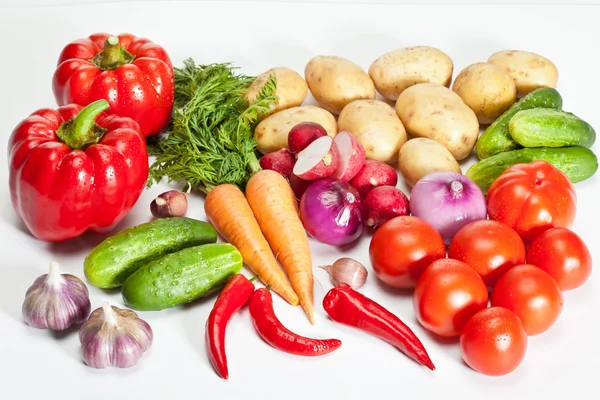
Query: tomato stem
[{"x": 81, "y": 131}]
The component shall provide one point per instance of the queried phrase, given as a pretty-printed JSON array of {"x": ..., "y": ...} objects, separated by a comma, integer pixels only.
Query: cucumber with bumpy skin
[
  {"x": 578, "y": 163},
  {"x": 496, "y": 138},
  {"x": 117, "y": 257},
  {"x": 181, "y": 277},
  {"x": 545, "y": 127}
]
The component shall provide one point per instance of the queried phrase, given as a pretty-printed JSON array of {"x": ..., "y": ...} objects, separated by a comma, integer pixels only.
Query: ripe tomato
[
  {"x": 532, "y": 294},
  {"x": 402, "y": 248},
  {"x": 448, "y": 293},
  {"x": 493, "y": 341},
  {"x": 489, "y": 247},
  {"x": 532, "y": 198},
  {"x": 561, "y": 253}
]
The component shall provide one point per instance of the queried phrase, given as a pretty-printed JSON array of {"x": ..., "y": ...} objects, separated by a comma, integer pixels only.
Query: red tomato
[
  {"x": 493, "y": 341},
  {"x": 448, "y": 293},
  {"x": 489, "y": 247},
  {"x": 532, "y": 294},
  {"x": 532, "y": 198},
  {"x": 561, "y": 253},
  {"x": 402, "y": 248}
]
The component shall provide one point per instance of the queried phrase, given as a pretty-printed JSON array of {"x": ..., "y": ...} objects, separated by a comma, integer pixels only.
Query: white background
[{"x": 563, "y": 362}]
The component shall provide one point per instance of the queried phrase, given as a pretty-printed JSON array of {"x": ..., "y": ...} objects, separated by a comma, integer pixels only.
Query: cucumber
[
  {"x": 496, "y": 138},
  {"x": 545, "y": 127},
  {"x": 117, "y": 257},
  {"x": 181, "y": 277},
  {"x": 578, "y": 163}
]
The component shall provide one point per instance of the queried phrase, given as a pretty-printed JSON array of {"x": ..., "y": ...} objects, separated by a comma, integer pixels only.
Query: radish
[
  {"x": 352, "y": 156},
  {"x": 303, "y": 134},
  {"x": 384, "y": 203},
  {"x": 281, "y": 161},
  {"x": 319, "y": 160},
  {"x": 298, "y": 186},
  {"x": 373, "y": 174}
]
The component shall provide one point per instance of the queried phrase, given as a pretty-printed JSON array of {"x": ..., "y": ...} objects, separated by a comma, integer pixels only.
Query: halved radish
[
  {"x": 352, "y": 156},
  {"x": 303, "y": 134},
  {"x": 319, "y": 160},
  {"x": 281, "y": 161}
]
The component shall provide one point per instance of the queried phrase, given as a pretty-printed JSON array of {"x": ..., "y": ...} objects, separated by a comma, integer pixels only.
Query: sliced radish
[
  {"x": 281, "y": 161},
  {"x": 352, "y": 156},
  {"x": 319, "y": 160},
  {"x": 303, "y": 134}
]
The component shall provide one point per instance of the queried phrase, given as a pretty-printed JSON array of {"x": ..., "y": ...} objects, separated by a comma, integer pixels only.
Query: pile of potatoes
[{"x": 417, "y": 99}]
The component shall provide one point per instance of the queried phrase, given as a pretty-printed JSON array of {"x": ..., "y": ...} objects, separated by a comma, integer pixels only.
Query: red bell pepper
[
  {"x": 75, "y": 169},
  {"x": 133, "y": 74}
]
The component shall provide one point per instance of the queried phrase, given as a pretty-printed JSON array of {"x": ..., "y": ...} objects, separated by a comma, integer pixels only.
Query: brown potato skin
[
  {"x": 529, "y": 70},
  {"x": 422, "y": 156},
  {"x": 487, "y": 89}
]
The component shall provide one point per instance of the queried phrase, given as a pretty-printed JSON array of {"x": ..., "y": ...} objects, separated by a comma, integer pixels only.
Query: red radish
[
  {"x": 352, "y": 156},
  {"x": 303, "y": 134},
  {"x": 319, "y": 160},
  {"x": 373, "y": 174},
  {"x": 298, "y": 186},
  {"x": 281, "y": 161},
  {"x": 384, "y": 203}
]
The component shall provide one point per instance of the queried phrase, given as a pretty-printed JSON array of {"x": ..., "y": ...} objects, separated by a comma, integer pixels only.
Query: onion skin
[
  {"x": 448, "y": 201},
  {"x": 332, "y": 212}
]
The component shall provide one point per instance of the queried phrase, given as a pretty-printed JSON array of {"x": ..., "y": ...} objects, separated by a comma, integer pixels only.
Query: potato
[
  {"x": 271, "y": 133},
  {"x": 487, "y": 89},
  {"x": 436, "y": 112},
  {"x": 376, "y": 127},
  {"x": 397, "y": 70},
  {"x": 422, "y": 156},
  {"x": 530, "y": 71},
  {"x": 291, "y": 88},
  {"x": 334, "y": 82}
]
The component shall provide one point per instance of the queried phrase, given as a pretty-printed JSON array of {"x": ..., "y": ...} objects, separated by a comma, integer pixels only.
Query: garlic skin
[
  {"x": 114, "y": 337},
  {"x": 172, "y": 203},
  {"x": 347, "y": 270},
  {"x": 56, "y": 301}
]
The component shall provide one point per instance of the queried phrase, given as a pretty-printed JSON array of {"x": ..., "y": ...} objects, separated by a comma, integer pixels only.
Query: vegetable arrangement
[{"x": 277, "y": 174}]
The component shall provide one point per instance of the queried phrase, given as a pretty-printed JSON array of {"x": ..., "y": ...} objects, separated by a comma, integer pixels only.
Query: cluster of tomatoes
[{"x": 519, "y": 261}]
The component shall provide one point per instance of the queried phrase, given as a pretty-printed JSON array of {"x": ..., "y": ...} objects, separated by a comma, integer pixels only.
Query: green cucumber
[
  {"x": 578, "y": 163},
  {"x": 545, "y": 127},
  {"x": 117, "y": 257},
  {"x": 181, "y": 277},
  {"x": 496, "y": 138}
]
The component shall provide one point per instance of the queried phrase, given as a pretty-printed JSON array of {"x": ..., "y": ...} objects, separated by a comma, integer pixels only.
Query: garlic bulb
[
  {"x": 114, "y": 337},
  {"x": 56, "y": 301}
]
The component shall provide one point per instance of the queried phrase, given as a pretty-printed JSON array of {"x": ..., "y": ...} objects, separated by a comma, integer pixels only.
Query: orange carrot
[
  {"x": 274, "y": 205},
  {"x": 228, "y": 211}
]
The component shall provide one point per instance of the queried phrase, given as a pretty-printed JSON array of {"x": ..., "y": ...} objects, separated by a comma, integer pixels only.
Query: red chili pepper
[
  {"x": 349, "y": 307},
  {"x": 234, "y": 296},
  {"x": 75, "y": 169},
  {"x": 274, "y": 333},
  {"x": 132, "y": 73}
]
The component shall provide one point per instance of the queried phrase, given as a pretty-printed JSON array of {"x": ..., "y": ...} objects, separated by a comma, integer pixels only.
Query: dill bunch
[{"x": 211, "y": 134}]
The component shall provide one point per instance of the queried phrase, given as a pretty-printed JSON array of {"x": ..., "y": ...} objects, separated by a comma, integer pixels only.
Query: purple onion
[
  {"x": 448, "y": 201},
  {"x": 332, "y": 212}
]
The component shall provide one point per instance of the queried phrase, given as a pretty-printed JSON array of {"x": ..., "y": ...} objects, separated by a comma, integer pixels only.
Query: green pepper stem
[
  {"x": 113, "y": 55},
  {"x": 81, "y": 131}
]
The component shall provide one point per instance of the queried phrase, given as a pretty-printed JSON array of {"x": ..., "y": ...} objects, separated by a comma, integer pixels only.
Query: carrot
[
  {"x": 274, "y": 205},
  {"x": 228, "y": 211}
]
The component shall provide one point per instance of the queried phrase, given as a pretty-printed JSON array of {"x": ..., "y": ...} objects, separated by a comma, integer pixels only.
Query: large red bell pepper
[
  {"x": 135, "y": 75},
  {"x": 74, "y": 169}
]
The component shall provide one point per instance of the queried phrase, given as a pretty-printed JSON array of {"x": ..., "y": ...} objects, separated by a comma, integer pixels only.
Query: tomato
[
  {"x": 489, "y": 247},
  {"x": 448, "y": 293},
  {"x": 493, "y": 341},
  {"x": 561, "y": 253},
  {"x": 532, "y": 198},
  {"x": 402, "y": 248},
  {"x": 532, "y": 294}
]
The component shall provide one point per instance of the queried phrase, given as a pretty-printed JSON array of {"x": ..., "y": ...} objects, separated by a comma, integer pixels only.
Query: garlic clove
[
  {"x": 172, "y": 203},
  {"x": 56, "y": 301},
  {"x": 114, "y": 337}
]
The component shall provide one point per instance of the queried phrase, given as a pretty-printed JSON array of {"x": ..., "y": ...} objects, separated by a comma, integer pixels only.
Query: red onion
[
  {"x": 448, "y": 201},
  {"x": 332, "y": 212}
]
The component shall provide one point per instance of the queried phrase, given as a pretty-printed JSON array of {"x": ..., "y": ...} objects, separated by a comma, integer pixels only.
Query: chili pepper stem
[
  {"x": 253, "y": 278},
  {"x": 113, "y": 55},
  {"x": 268, "y": 287},
  {"x": 81, "y": 131}
]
